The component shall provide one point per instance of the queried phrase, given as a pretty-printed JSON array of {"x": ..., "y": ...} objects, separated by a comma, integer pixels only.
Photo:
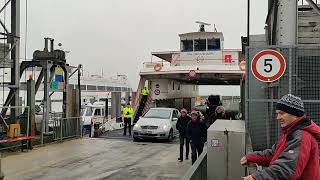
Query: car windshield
[{"x": 158, "y": 113}]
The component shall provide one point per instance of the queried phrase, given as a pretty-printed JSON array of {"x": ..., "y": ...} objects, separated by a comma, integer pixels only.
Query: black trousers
[
  {"x": 127, "y": 122},
  {"x": 182, "y": 140},
  {"x": 196, "y": 151},
  {"x": 144, "y": 98}
]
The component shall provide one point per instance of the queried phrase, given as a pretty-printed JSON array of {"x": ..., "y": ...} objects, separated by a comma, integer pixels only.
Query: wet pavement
[{"x": 98, "y": 158}]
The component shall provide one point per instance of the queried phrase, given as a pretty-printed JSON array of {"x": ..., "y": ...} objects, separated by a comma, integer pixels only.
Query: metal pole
[
  {"x": 248, "y": 23},
  {"x": 61, "y": 129},
  {"x": 15, "y": 54},
  {"x": 79, "y": 85},
  {"x": 1, "y": 173}
]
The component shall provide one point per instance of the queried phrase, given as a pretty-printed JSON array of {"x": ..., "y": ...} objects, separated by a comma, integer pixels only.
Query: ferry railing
[
  {"x": 64, "y": 128},
  {"x": 186, "y": 62}
]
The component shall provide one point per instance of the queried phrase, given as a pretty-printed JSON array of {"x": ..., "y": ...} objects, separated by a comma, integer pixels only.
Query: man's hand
[
  {"x": 248, "y": 178},
  {"x": 243, "y": 161}
]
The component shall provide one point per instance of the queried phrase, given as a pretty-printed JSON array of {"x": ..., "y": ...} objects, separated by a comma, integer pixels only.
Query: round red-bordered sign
[
  {"x": 157, "y": 92},
  {"x": 268, "y": 65}
]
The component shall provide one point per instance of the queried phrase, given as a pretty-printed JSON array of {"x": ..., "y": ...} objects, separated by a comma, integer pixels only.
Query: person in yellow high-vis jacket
[
  {"x": 127, "y": 117},
  {"x": 145, "y": 93}
]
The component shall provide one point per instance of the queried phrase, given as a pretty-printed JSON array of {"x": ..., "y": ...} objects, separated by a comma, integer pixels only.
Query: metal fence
[
  {"x": 64, "y": 128},
  {"x": 301, "y": 78}
]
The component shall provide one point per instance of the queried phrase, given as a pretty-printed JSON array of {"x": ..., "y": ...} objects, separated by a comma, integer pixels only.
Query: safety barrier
[
  {"x": 198, "y": 170},
  {"x": 14, "y": 132},
  {"x": 64, "y": 128}
]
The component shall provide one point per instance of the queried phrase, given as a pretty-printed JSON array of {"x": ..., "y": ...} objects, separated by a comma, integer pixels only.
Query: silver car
[{"x": 157, "y": 123}]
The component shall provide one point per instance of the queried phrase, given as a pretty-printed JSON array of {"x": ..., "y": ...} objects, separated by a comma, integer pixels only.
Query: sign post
[{"x": 268, "y": 65}]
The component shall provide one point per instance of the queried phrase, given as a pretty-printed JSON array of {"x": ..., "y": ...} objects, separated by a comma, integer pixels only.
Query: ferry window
[
  {"x": 200, "y": 45},
  {"x": 90, "y": 87},
  {"x": 109, "y": 88},
  {"x": 101, "y": 88},
  {"x": 83, "y": 87},
  {"x": 97, "y": 112},
  {"x": 214, "y": 44},
  {"x": 187, "y": 45}
]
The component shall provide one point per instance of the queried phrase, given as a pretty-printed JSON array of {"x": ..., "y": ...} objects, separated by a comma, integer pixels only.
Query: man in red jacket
[{"x": 296, "y": 155}]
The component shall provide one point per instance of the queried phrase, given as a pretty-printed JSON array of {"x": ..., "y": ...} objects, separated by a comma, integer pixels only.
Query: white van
[{"x": 93, "y": 114}]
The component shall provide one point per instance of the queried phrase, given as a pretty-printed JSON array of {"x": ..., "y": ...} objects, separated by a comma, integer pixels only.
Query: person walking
[
  {"x": 182, "y": 124},
  {"x": 197, "y": 133},
  {"x": 127, "y": 117},
  {"x": 296, "y": 155}
]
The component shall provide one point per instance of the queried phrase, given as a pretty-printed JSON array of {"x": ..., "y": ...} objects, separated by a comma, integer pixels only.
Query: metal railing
[
  {"x": 198, "y": 170},
  {"x": 186, "y": 62},
  {"x": 64, "y": 128}
]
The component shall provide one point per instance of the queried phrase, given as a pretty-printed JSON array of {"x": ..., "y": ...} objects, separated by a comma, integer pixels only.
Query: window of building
[
  {"x": 214, "y": 44},
  {"x": 172, "y": 85},
  {"x": 200, "y": 45},
  {"x": 187, "y": 45}
]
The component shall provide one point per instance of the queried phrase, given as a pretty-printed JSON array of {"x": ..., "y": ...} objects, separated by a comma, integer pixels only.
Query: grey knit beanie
[{"x": 291, "y": 104}]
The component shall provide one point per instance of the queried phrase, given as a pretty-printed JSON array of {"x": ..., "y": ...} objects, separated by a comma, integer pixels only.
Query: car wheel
[
  {"x": 170, "y": 137},
  {"x": 136, "y": 139}
]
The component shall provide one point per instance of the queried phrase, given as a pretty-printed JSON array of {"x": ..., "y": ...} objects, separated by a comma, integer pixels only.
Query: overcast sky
[{"x": 118, "y": 35}]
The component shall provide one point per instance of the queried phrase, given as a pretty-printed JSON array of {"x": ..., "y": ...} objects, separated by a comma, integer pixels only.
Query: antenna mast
[{"x": 201, "y": 26}]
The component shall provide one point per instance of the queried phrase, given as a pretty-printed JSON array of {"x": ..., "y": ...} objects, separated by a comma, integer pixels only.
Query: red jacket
[{"x": 295, "y": 157}]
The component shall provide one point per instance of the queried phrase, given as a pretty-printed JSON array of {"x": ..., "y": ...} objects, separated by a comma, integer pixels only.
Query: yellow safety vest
[
  {"x": 128, "y": 112},
  {"x": 145, "y": 92}
]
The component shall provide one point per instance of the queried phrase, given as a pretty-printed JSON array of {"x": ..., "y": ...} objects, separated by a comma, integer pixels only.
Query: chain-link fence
[{"x": 301, "y": 78}]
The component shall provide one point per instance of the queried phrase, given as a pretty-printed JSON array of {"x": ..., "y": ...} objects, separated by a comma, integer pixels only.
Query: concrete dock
[{"x": 101, "y": 158}]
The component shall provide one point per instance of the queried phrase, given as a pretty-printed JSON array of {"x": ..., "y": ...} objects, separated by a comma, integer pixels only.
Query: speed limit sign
[{"x": 268, "y": 65}]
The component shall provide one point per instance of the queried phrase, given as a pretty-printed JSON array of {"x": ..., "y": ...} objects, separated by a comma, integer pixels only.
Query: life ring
[
  {"x": 242, "y": 65},
  {"x": 157, "y": 67}
]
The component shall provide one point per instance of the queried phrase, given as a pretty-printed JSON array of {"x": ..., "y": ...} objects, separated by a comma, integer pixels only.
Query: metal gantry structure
[{"x": 12, "y": 38}]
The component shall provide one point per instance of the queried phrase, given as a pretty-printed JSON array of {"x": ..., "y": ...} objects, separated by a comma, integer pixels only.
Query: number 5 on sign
[{"x": 268, "y": 65}]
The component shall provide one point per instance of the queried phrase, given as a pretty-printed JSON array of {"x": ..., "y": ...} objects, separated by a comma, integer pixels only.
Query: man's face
[
  {"x": 194, "y": 117},
  {"x": 284, "y": 118},
  {"x": 183, "y": 114}
]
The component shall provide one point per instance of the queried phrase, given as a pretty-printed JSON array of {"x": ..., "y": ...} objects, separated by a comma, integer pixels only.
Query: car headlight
[
  {"x": 136, "y": 127},
  {"x": 165, "y": 127}
]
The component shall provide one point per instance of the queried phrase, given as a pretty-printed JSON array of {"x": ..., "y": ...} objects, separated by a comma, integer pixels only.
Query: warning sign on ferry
[
  {"x": 157, "y": 92},
  {"x": 268, "y": 65}
]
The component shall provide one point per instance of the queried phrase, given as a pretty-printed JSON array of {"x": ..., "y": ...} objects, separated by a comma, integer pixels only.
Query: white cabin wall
[{"x": 168, "y": 92}]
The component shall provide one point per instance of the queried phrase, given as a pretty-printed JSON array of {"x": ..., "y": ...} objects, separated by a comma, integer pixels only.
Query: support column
[
  {"x": 116, "y": 104},
  {"x": 15, "y": 54},
  {"x": 31, "y": 103},
  {"x": 287, "y": 22},
  {"x": 46, "y": 105}
]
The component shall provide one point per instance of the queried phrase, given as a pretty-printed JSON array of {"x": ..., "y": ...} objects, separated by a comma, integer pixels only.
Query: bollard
[{"x": 1, "y": 173}]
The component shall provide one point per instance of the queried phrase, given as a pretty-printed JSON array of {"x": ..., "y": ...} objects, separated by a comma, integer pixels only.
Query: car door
[{"x": 174, "y": 120}]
